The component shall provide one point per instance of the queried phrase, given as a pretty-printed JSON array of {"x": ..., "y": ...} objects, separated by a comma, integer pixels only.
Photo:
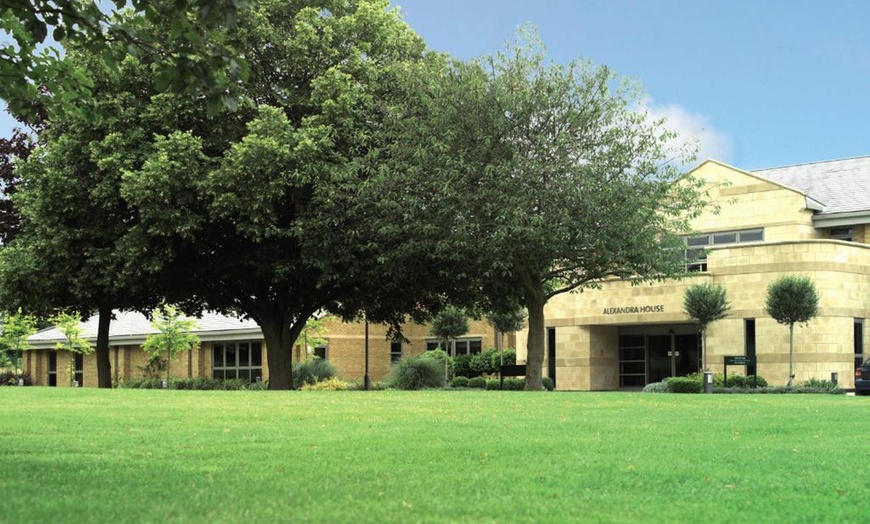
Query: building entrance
[{"x": 653, "y": 357}]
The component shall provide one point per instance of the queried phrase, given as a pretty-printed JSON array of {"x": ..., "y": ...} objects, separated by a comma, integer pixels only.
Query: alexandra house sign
[{"x": 657, "y": 308}]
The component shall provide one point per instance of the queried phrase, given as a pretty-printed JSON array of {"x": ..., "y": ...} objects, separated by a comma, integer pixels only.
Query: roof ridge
[{"x": 811, "y": 163}]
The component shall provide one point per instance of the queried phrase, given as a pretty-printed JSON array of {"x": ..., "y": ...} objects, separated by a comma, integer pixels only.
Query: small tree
[
  {"x": 792, "y": 299},
  {"x": 508, "y": 322},
  {"x": 13, "y": 340},
  {"x": 174, "y": 334},
  {"x": 705, "y": 303},
  {"x": 449, "y": 324},
  {"x": 71, "y": 328}
]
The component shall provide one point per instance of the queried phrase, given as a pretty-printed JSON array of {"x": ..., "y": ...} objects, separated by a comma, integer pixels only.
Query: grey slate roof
[
  {"x": 131, "y": 328},
  {"x": 841, "y": 186}
]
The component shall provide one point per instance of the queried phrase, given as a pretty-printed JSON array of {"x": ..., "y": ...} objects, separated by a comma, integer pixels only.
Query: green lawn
[{"x": 437, "y": 456}]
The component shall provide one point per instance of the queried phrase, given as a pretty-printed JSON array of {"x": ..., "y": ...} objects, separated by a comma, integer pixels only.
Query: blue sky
[{"x": 762, "y": 83}]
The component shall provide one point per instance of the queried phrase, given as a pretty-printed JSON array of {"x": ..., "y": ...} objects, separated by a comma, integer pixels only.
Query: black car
[{"x": 862, "y": 378}]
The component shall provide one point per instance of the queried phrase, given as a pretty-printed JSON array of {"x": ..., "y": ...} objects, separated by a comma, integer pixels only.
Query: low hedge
[
  {"x": 459, "y": 382},
  {"x": 781, "y": 390},
  {"x": 201, "y": 384},
  {"x": 683, "y": 385}
]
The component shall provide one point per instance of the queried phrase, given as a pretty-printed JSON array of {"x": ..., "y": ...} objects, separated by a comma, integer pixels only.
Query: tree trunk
[
  {"x": 535, "y": 300},
  {"x": 104, "y": 365},
  {"x": 280, "y": 334}
]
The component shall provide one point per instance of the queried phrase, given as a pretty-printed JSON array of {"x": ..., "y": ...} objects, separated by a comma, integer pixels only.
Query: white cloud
[{"x": 691, "y": 126}]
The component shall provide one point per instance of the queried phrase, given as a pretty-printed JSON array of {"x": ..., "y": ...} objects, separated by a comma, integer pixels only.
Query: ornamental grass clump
[
  {"x": 416, "y": 373},
  {"x": 312, "y": 371}
]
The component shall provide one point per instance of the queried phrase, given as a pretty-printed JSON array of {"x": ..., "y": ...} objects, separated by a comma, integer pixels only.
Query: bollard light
[{"x": 708, "y": 382}]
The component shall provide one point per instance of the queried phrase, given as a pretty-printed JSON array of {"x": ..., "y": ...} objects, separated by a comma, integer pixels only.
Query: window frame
[{"x": 253, "y": 371}]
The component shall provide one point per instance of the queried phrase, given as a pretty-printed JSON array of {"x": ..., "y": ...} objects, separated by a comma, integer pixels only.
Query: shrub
[
  {"x": 481, "y": 363},
  {"x": 510, "y": 384},
  {"x": 199, "y": 384},
  {"x": 459, "y": 382},
  {"x": 657, "y": 387},
  {"x": 9, "y": 377},
  {"x": 477, "y": 382},
  {"x": 781, "y": 390},
  {"x": 312, "y": 371},
  {"x": 439, "y": 356},
  {"x": 510, "y": 358},
  {"x": 330, "y": 384},
  {"x": 417, "y": 373},
  {"x": 683, "y": 385},
  {"x": 718, "y": 379},
  {"x": 462, "y": 366},
  {"x": 548, "y": 383},
  {"x": 746, "y": 381},
  {"x": 818, "y": 383}
]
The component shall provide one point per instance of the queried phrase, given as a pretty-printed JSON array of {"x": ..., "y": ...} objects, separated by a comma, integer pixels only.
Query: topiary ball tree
[
  {"x": 705, "y": 303},
  {"x": 792, "y": 299}
]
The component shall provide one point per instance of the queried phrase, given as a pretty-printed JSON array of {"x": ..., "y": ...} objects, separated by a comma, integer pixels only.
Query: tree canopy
[
  {"x": 38, "y": 33},
  {"x": 544, "y": 176}
]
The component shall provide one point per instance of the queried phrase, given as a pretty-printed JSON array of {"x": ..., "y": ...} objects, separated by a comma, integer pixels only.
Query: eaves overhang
[{"x": 851, "y": 218}]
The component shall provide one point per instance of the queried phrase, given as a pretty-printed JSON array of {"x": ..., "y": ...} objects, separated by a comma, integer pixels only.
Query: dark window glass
[
  {"x": 320, "y": 352},
  {"x": 218, "y": 374},
  {"x": 752, "y": 236},
  {"x": 218, "y": 356},
  {"x": 475, "y": 346},
  {"x": 256, "y": 354},
  {"x": 244, "y": 355},
  {"x": 632, "y": 381},
  {"x": 632, "y": 368},
  {"x": 230, "y": 355},
  {"x": 395, "y": 351},
  {"x": 633, "y": 341},
  {"x": 633, "y": 354},
  {"x": 431, "y": 344},
  {"x": 229, "y": 374},
  {"x": 725, "y": 238},
  {"x": 749, "y": 342},
  {"x": 52, "y": 368},
  {"x": 245, "y": 374},
  {"x": 698, "y": 241}
]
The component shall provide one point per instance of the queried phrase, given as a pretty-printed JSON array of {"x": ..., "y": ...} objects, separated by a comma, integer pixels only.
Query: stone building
[{"x": 808, "y": 219}]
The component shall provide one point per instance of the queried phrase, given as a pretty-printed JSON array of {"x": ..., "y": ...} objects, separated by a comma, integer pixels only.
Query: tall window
[
  {"x": 696, "y": 246},
  {"x": 395, "y": 351},
  {"x": 321, "y": 352},
  {"x": 242, "y": 360},
  {"x": 79, "y": 369},
  {"x": 52, "y": 368},
  {"x": 858, "y": 335},
  {"x": 749, "y": 343}
]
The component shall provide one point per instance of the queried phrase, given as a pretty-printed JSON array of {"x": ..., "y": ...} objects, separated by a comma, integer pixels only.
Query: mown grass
[{"x": 433, "y": 456}]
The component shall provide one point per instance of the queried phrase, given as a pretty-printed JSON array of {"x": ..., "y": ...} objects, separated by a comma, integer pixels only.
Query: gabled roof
[
  {"x": 841, "y": 186},
  {"x": 131, "y": 328}
]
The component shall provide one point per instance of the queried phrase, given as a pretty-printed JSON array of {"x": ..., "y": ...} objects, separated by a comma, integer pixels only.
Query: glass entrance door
[
  {"x": 660, "y": 357},
  {"x": 688, "y": 354}
]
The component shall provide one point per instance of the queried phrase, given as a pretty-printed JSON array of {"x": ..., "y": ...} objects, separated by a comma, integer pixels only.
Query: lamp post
[{"x": 367, "y": 381}]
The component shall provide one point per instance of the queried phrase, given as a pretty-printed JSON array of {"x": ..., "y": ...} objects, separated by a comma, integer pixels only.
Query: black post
[{"x": 367, "y": 381}]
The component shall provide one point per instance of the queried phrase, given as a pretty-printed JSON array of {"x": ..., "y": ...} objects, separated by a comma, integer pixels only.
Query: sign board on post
[{"x": 737, "y": 360}]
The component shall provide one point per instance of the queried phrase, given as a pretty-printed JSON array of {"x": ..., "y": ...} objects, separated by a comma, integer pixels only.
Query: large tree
[
  {"x": 549, "y": 173},
  {"x": 223, "y": 211}
]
